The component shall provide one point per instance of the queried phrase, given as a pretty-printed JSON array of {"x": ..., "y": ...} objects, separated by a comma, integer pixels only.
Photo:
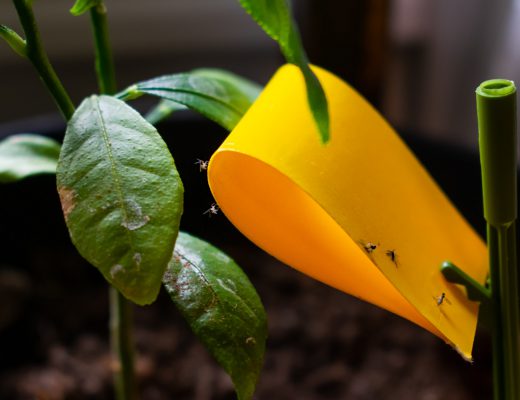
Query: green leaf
[
  {"x": 220, "y": 96},
  {"x": 82, "y": 6},
  {"x": 275, "y": 18},
  {"x": 222, "y": 308},
  {"x": 251, "y": 90},
  {"x": 26, "y": 155},
  {"x": 121, "y": 195},
  {"x": 163, "y": 110}
]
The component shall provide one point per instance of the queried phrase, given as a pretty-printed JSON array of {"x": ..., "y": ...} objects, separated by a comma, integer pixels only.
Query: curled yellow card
[{"x": 359, "y": 213}]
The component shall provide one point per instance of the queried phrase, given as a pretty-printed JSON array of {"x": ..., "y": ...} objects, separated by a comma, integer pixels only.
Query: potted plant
[{"x": 121, "y": 198}]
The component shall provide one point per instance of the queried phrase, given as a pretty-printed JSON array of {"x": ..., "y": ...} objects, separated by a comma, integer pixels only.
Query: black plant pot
[{"x": 323, "y": 344}]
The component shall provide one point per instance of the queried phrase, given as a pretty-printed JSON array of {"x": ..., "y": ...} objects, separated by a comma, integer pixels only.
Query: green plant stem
[
  {"x": 104, "y": 60},
  {"x": 120, "y": 308},
  {"x": 496, "y": 109},
  {"x": 122, "y": 346},
  {"x": 121, "y": 340},
  {"x": 36, "y": 54}
]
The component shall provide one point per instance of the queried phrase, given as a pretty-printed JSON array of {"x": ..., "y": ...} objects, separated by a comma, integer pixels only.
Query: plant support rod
[{"x": 496, "y": 109}]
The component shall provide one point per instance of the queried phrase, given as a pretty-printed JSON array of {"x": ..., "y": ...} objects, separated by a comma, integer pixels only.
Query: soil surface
[{"x": 322, "y": 344}]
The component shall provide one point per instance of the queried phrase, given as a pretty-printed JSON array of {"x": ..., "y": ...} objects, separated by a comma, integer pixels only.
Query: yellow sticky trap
[{"x": 360, "y": 213}]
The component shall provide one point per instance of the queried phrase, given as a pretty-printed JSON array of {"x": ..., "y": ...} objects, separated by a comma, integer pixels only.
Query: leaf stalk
[{"x": 121, "y": 343}]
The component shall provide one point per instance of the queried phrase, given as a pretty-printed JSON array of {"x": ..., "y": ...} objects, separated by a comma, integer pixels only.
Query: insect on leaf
[
  {"x": 25, "y": 155},
  {"x": 82, "y": 6},
  {"x": 121, "y": 195},
  {"x": 221, "y": 306},
  {"x": 220, "y": 96},
  {"x": 275, "y": 18}
]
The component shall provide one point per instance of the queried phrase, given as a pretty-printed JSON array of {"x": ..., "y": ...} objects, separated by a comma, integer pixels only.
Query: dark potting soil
[{"x": 322, "y": 344}]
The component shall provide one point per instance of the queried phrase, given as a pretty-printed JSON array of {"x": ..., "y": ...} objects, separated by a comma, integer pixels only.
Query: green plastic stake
[
  {"x": 496, "y": 109},
  {"x": 474, "y": 290}
]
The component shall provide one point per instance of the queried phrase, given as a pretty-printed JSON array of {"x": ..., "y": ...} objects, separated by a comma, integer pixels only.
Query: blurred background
[{"x": 418, "y": 61}]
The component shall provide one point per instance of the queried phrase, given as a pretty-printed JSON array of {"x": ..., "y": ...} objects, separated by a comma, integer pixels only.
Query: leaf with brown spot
[
  {"x": 68, "y": 200},
  {"x": 121, "y": 195},
  {"x": 222, "y": 307}
]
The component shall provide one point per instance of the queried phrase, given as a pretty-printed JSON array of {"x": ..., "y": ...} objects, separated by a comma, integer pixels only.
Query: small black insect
[
  {"x": 370, "y": 247},
  {"x": 441, "y": 299},
  {"x": 393, "y": 256}
]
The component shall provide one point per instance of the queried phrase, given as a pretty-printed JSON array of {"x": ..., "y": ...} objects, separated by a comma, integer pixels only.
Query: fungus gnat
[
  {"x": 393, "y": 256},
  {"x": 441, "y": 299},
  {"x": 212, "y": 210},
  {"x": 369, "y": 247},
  {"x": 203, "y": 165}
]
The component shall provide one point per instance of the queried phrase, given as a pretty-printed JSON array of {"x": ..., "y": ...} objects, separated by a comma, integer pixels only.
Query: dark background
[{"x": 419, "y": 61}]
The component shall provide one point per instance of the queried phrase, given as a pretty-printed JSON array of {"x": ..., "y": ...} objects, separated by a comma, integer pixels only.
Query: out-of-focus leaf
[
  {"x": 82, "y": 6},
  {"x": 220, "y": 96},
  {"x": 121, "y": 195},
  {"x": 163, "y": 110},
  {"x": 275, "y": 18},
  {"x": 25, "y": 155},
  {"x": 222, "y": 308}
]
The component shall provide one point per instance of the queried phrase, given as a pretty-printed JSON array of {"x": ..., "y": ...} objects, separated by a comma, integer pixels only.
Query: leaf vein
[
  {"x": 215, "y": 296},
  {"x": 142, "y": 168},
  {"x": 239, "y": 113},
  {"x": 115, "y": 175}
]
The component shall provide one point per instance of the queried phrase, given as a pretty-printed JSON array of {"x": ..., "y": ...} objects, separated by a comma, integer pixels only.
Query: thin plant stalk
[
  {"x": 35, "y": 52},
  {"x": 105, "y": 68},
  {"x": 496, "y": 109},
  {"x": 120, "y": 308},
  {"x": 121, "y": 315},
  {"x": 122, "y": 346}
]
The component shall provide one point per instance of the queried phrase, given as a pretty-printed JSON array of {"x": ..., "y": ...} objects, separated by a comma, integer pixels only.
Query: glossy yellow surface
[{"x": 359, "y": 213}]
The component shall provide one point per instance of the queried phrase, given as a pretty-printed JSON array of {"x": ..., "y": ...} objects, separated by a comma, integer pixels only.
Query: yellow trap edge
[{"x": 322, "y": 208}]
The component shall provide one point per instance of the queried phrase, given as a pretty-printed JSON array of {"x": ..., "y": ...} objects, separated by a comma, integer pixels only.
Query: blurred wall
[
  {"x": 348, "y": 38},
  {"x": 418, "y": 61},
  {"x": 439, "y": 53}
]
